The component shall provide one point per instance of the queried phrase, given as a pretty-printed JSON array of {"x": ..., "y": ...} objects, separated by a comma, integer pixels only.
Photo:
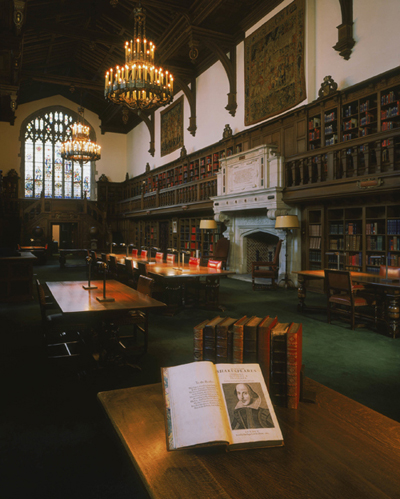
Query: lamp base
[
  {"x": 89, "y": 287},
  {"x": 98, "y": 298},
  {"x": 286, "y": 280}
]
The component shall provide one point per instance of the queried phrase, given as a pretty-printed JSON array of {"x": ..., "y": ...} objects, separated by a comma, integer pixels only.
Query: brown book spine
[
  {"x": 224, "y": 341},
  {"x": 238, "y": 330},
  {"x": 209, "y": 340},
  {"x": 264, "y": 346},
  {"x": 278, "y": 376},
  {"x": 294, "y": 359},
  {"x": 250, "y": 340},
  {"x": 198, "y": 340}
]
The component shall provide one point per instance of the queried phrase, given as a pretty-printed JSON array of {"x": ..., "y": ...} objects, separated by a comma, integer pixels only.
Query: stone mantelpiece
[{"x": 249, "y": 188}]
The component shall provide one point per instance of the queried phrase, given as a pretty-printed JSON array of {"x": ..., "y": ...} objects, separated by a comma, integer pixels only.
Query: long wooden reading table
[{"x": 336, "y": 448}]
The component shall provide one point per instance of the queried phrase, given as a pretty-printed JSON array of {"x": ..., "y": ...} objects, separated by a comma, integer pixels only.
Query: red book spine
[{"x": 293, "y": 368}]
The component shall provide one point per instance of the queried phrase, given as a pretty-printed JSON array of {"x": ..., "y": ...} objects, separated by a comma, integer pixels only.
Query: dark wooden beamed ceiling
[{"x": 65, "y": 46}]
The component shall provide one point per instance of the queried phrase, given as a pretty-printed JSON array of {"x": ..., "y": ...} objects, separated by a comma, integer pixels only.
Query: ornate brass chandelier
[
  {"x": 80, "y": 147},
  {"x": 138, "y": 84}
]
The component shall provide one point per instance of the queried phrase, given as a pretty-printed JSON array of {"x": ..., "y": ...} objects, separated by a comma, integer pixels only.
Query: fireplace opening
[{"x": 260, "y": 247}]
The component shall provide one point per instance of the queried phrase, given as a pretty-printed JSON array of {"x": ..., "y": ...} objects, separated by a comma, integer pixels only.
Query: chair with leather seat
[
  {"x": 221, "y": 251},
  {"x": 345, "y": 300},
  {"x": 266, "y": 270}
]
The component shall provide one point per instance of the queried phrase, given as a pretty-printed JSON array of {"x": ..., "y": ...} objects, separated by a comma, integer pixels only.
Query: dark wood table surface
[
  {"x": 335, "y": 448},
  {"x": 72, "y": 298}
]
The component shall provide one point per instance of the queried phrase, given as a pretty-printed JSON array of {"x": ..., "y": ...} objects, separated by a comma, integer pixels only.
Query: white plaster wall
[
  {"x": 377, "y": 36},
  {"x": 113, "y": 146}
]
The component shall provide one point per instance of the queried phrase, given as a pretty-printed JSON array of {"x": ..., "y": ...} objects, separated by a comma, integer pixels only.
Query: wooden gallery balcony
[
  {"x": 192, "y": 196},
  {"x": 348, "y": 168}
]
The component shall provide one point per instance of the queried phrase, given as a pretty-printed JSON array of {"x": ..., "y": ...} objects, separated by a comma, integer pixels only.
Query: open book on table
[{"x": 218, "y": 404}]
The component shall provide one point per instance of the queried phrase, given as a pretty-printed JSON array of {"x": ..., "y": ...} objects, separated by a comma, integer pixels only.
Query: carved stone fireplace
[{"x": 249, "y": 198}]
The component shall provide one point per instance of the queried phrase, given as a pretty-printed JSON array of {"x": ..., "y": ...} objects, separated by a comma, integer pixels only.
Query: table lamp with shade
[
  {"x": 208, "y": 224},
  {"x": 287, "y": 223}
]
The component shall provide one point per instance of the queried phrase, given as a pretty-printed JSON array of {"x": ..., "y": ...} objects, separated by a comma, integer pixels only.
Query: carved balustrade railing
[
  {"x": 376, "y": 154},
  {"x": 193, "y": 192}
]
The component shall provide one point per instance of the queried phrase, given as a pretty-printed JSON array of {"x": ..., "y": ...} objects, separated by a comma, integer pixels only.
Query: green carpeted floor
[{"x": 57, "y": 443}]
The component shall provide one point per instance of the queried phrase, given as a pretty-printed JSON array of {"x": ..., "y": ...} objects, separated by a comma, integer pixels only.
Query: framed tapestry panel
[
  {"x": 172, "y": 127},
  {"x": 274, "y": 65}
]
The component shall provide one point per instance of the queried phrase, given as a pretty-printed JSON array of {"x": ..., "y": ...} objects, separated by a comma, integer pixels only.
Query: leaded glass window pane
[{"x": 44, "y": 169}]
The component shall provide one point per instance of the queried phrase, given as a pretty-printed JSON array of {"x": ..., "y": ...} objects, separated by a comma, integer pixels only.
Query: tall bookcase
[{"x": 364, "y": 237}]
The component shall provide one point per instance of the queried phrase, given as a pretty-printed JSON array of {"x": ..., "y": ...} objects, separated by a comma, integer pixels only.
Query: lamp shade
[
  {"x": 208, "y": 224},
  {"x": 287, "y": 222}
]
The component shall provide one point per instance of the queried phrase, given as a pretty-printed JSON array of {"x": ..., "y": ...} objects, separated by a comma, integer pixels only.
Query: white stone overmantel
[{"x": 249, "y": 198}]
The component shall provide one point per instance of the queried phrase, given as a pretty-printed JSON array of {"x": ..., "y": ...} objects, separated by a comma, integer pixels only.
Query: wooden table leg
[{"x": 301, "y": 294}]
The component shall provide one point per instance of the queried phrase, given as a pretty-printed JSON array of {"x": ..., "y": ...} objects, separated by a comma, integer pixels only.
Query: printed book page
[
  {"x": 251, "y": 414},
  {"x": 195, "y": 409}
]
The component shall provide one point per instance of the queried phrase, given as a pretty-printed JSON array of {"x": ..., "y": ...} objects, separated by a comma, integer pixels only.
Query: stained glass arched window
[{"x": 44, "y": 169}]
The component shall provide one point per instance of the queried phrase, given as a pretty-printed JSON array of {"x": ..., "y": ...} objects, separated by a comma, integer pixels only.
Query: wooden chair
[
  {"x": 63, "y": 338},
  {"x": 266, "y": 270},
  {"x": 132, "y": 273},
  {"x": 344, "y": 299},
  {"x": 136, "y": 318},
  {"x": 221, "y": 251}
]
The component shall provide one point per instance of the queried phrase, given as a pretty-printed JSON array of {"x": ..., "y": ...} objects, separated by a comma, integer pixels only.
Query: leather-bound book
[
  {"x": 250, "y": 334},
  {"x": 209, "y": 339},
  {"x": 293, "y": 368},
  {"x": 278, "y": 377},
  {"x": 238, "y": 329},
  {"x": 224, "y": 347},
  {"x": 264, "y": 345},
  {"x": 198, "y": 340}
]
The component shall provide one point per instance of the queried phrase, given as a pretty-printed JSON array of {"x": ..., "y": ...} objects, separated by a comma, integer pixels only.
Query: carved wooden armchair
[{"x": 267, "y": 270}]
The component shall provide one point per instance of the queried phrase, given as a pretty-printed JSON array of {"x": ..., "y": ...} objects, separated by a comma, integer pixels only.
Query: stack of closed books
[{"x": 276, "y": 346}]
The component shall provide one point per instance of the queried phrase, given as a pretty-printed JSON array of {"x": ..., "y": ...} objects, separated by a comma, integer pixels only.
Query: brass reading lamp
[{"x": 287, "y": 223}]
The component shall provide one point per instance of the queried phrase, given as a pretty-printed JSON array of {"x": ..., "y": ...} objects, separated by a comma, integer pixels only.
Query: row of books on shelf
[
  {"x": 353, "y": 243},
  {"x": 354, "y": 260},
  {"x": 390, "y": 112},
  {"x": 394, "y": 244},
  {"x": 375, "y": 260},
  {"x": 314, "y": 230},
  {"x": 393, "y": 260},
  {"x": 372, "y": 228},
  {"x": 315, "y": 243},
  {"x": 336, "y": 228},
  {"x": 393, "y": 226},
  {"x": 352, "y": 228},
  {"x": 275, "y": 346},
  {"x": 336, "y": 244},
  {"x": 314, "y": 256},
  {"x": 375, "y": 243}
]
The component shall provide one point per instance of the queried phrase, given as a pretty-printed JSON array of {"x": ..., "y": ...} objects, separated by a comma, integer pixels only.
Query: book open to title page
[{"x": 218, "y": 404}]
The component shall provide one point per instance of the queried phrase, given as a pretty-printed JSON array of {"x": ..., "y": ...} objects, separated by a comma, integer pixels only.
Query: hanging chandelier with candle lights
[
  {"x": 138, "y": 84},
  {"x": 80, "y": 147}
]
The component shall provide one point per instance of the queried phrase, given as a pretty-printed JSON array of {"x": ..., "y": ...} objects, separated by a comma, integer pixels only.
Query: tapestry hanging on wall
[
  {"x": 274, "y": 65},
  {"x": 172, "y": 127}
]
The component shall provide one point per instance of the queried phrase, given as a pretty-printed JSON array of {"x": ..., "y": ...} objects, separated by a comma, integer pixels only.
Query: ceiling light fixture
[
  {"x": 79, "y": 147},
  {"x": 138, "y": 84}
]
